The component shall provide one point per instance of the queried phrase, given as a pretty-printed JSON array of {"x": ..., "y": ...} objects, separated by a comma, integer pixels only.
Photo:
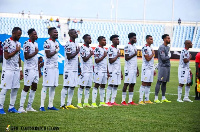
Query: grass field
[{"x": 154, "y": 117}]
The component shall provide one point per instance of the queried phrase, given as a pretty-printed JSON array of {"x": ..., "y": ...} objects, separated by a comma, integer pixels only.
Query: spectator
[
  {"x": 75, "y": 21},
  {"x": 68, "y": 21},
  {"x": 81, "y": 21},
  {"x": 41, "y": 13},
  {"x": 51, "y": 19},
  {"x": 57, "y": 20},
  {"x": 179, "y": 21}
]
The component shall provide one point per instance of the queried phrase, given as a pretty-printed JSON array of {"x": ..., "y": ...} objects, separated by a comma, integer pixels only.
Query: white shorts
[
  {"x": 114, "y": 79},
  {"x": 184, "y": 76},
  {"x": 100, "y": 77},
  {"x": 50, "y": 77},
  {"x": 10, "y": 79},
  {"x": 30, "y": 76},
  {"x": 70, "y": 78},
  {"x": 85, "y": 79},
  {"x": 130, "y": 77},
  {"x": 147, "y": 75}
]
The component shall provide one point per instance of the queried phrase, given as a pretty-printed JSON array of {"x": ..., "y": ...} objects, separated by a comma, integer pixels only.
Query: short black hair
[
  {"x": 100, "y": 38},
  {"x": 84, "y": 37},
  {"x": 40, "y": 57},
  {"x": 15, "y": 29},
  {"x": 164, "y": 36},
  {"x": 148, "y": 36},
  {"x": 69, "y": 32},
  {"x": 113, "y": 36},
  {"x": 130, "y": 35},
  {"x": 50, "y": 29},
  {"x": 30, "y": 31}
]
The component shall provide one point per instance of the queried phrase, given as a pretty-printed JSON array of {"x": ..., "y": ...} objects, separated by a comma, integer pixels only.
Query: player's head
[
  {"x": 132, "y": 38},
  {"x": 188, "y": 44},
  {"x": 73, "y": 34},
  {"x": 166, "y": 38},
  {"x": 115, "y": 39},
  {"x": 40, "y": 59},
  {"x": 87, "y": 39},
  {"x": 52, "y": 31},
  {"x": 102, "y": 40},
  {"x": 149, "y": 39},
  {"x": 16, "y": 33},
  {"x": 32, "y": 34}
]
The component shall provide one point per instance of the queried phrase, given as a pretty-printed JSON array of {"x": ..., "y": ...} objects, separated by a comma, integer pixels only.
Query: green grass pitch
[{"x": 153, "y": 117}]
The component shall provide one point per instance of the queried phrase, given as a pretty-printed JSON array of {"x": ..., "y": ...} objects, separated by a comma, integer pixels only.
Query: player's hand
[
  {"x": 36, "y": 50},
  {"x": 190, "y": 56},
  {"x": 154, "y": 73},
  {"x": 77, "y": 50},
  {"x": 91, "y": 52},
  {"x": 21, "y": 75},
  {"x": 121, "y": 76},
  {"x": 18, "y": 48},
  {"x": 118, "y": 54},
  {"x": 138, "y": 73},
  {"x": 105, "y": 53}
]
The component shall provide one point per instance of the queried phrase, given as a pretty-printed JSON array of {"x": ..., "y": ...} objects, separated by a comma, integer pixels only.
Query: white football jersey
[
  {"x": 130, "y": 65},
  {"x": 31, "y": 63},
  {"x": 102, "y": 65},
  {"x": 146, "y": 50},
  {"x": 53, "y": 61},
  {"x": 71, "y": 64},
  {"x": 184, "y": 54},
  {"x": 88, "y": 65},
  {"x": 116, "y": 66},
  {"x": 10, "y": 46}
]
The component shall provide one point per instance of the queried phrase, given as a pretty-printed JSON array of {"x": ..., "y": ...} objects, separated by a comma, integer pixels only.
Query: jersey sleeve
[
  {"x": 68, "y": 48},
  {"x": 185, "y": 54},
  {"x": 46, "y": 45},
  {"x": 5, "y": 46},
  {"x": 26, "y": 47},
  {"x": 110, "y": 52},
  {"x": 145, "y": 51},
  {"x": 82, "y": 52},
  {"x": 126, "y": 50}
]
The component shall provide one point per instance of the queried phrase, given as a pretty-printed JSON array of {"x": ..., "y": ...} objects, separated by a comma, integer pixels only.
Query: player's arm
[
  {"x": 112, "y": 60},
  {"x": 186, "y": 60},
  {"x": 8, "y": 55},
  {"x": 27, "y": 55},
  {"x": 70, "y": 55},
  {"x": 162, "y": 54},
  {"x": 127, "y": 57},
  {"x": 148, "y": 57},
  {"x": 20, "y": 67},
  {"x": 86, "y": 58},
  {"x": 50, "y": 54},
  {"x": 97, "y": 60}
]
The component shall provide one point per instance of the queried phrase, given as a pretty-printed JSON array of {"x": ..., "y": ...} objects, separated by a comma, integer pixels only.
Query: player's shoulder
[{"x": 7, "y": 41}]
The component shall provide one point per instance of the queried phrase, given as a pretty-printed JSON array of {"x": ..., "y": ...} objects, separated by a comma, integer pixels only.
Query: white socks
[
  {"x": 123, "y": 96},
  {"x": 147, "y": 92},
  {"x": 108, "y": 93},
  {"x": 156, "y": 97},
  {"x": 187, "y": 90},
  {"x": 31, "y": 98},
  {"x": 51, "y": 96},
  {"x": 2, "y": 97},
  {"x": 163, "y": 97},
  {"x": 87, "y": 93},
  {"x": 94, "y": 95},
  {"x": 179, "y": 92},
  {"x": 80, "y": 93},
  {"x": 63, "y": 96},
  {"x": 130, "y": 97},
  {"x": 43, "y": 95},
  {"x": 102, "y": 94},
  {"x": 70, "y": 95},
  {"x": 114, "y": 94},
  {"x": 23, "y": 98},
  {"x": 141, "y": 92},
  {"x": 13, "y": 95}
]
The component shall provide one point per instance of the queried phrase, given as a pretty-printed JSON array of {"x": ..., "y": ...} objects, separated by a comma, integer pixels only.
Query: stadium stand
[
  {"x": 196, "y": 43},
  {"x": 40, "y": 25}
]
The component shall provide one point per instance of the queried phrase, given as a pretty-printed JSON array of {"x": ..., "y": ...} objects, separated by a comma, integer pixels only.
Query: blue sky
[{"x": 161, "y": 10}]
